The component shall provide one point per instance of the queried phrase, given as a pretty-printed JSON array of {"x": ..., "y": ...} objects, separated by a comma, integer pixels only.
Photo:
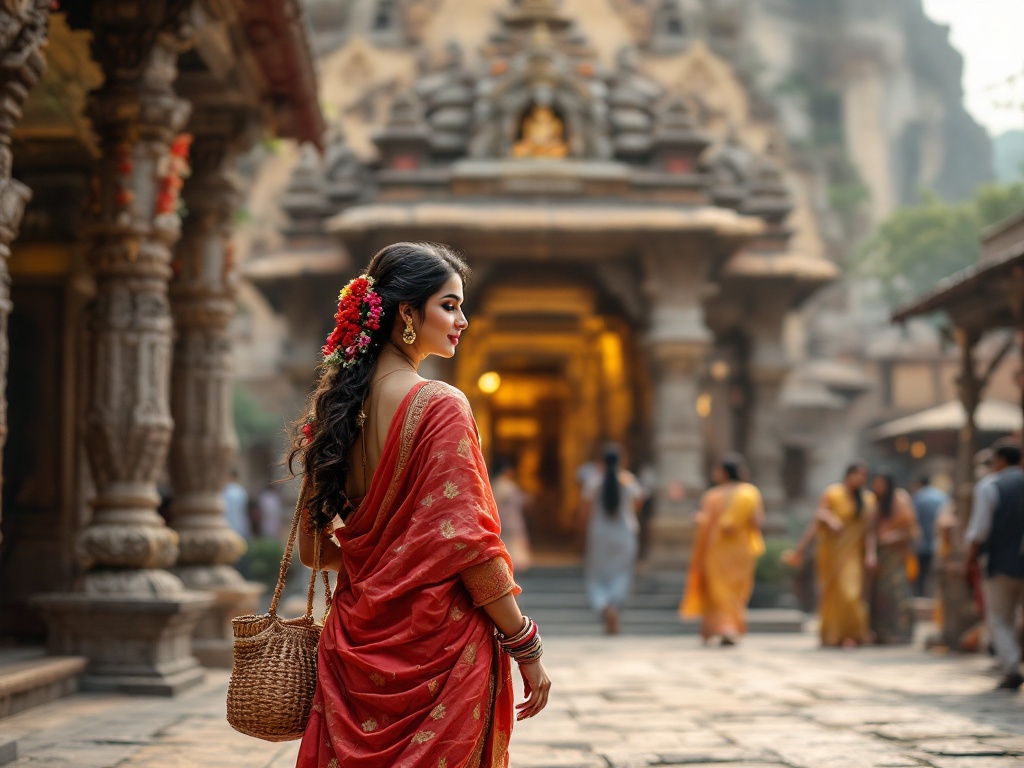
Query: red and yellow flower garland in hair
[{"x": 358, "y": 316}]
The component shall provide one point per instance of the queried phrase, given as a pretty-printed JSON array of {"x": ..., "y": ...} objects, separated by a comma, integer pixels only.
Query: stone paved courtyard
[{"x": 776, "y": 700}]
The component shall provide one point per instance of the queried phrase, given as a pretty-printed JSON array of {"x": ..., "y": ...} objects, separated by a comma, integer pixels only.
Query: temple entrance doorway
[{"x": 552, "y": 374}]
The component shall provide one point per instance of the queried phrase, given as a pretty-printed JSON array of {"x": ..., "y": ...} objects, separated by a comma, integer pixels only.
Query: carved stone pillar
[
  {"x": 132, "y": 617},
  {"x": 765, "y": 446},
  {"x": 677, "y": 344},
  {"x": 204, "y": 441},
  {"x": 677, "y": 435},
  {"x": 22, "y": 34},
  {"x": 767, "y": 367}
]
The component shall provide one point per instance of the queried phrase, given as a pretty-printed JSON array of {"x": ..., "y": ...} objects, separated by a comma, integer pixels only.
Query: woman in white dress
[{"x": 611, "y": 501}]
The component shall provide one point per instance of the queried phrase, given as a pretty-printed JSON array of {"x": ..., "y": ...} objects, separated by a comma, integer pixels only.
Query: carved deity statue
[{"x": 543, "y": 135}]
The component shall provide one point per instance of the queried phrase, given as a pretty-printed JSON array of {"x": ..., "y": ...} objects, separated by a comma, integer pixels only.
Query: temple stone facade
[
  {"x": 629, "y": 233},
  {"x": 117, "y": 312},
  {"x": 577, "y": 152}
]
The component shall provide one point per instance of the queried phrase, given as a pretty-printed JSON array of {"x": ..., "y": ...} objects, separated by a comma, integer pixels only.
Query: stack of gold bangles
[{"x": 525, "y": 646}]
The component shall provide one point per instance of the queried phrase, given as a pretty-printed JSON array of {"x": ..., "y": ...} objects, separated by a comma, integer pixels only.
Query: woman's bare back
[{"x": 387, "y": 392}]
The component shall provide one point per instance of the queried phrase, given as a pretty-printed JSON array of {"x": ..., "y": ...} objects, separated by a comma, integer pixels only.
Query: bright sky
[{"x": 989, "y": 35}]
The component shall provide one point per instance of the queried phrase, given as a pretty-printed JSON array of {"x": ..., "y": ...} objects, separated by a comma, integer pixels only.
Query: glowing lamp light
[
  {"x": 918, "y": 449},
  {"x": 719, "y": 370},
  {"x": 489, "y": 382},
  {"x": 704, "y": 405}
]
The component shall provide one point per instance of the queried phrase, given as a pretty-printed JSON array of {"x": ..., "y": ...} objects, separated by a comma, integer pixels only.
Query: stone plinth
[
  {"x": 135, "y": 643},
  {"x": 231, "y": 596},
  {"x": 671, "y": 539}
]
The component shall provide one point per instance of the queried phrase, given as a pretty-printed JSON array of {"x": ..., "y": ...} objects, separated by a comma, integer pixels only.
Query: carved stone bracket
[{"x": 23, "y": 27}]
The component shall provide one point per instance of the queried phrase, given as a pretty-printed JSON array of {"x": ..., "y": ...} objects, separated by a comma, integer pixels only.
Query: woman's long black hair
[
  {"x": 885, "y": 500},
  {"x": 856, "y": 466},
  {"x": 402, "y": 272},
  {"x": 611, "y": 493}
]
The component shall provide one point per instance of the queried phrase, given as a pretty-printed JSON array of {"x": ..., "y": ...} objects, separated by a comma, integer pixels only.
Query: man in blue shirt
[
  {"x": 928, "y": 502},
  {"x": 236, "y": 506}
]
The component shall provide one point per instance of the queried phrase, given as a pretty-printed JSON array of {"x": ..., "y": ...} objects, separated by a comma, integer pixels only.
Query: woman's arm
[
  {"x": 330, "y": 552},
  {"x": 509, "y": 620}
]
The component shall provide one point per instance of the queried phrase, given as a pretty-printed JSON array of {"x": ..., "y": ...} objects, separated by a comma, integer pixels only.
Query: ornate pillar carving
[
  {"x": 23, "y": 29},
  {"x": 204, "y": 442},
  {"x": 137, "y": 115},
  {"x": 677, "y": 344},
  {"x": 132, "y": 617}
]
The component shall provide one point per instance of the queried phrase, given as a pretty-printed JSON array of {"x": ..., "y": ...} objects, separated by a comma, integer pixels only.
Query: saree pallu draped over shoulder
[{"x": 410, "y": 674}]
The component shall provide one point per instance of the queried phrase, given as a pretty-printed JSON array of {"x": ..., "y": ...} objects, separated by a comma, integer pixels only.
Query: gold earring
[{"x": 409, "y": 335}]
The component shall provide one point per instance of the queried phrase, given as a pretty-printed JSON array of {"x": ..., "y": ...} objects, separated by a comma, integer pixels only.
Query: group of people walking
[{"x": 865, "y": 559}]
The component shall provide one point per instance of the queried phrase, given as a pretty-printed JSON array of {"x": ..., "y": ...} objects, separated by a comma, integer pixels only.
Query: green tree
[
  {"x": 919, "y": 245},
  {"x": 253, "y": 423}
]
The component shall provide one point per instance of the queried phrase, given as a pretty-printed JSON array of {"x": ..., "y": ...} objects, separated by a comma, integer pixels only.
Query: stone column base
[
  {"x": 671, "y": 541},
  {"x": 213, "y": 639},
  {"x": 135, "y": 644}
]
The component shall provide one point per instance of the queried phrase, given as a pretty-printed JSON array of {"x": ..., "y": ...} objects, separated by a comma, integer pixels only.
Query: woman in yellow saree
[
  {"x": 845, "y": 531},
  {"x": 725, "y": 552}
]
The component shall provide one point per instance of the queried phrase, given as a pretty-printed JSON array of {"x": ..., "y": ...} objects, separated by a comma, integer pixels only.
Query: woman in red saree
[{"x": 411, "y": 672}]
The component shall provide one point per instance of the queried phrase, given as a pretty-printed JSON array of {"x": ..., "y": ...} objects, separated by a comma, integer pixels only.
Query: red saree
[{"x": 410, "y": 674}]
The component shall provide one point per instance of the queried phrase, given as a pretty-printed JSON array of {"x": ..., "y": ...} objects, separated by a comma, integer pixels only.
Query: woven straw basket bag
[{"x": 273, "y": 677}]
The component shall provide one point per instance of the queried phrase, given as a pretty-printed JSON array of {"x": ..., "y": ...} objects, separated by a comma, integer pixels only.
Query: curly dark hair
[{"x": 402, "y": 272}]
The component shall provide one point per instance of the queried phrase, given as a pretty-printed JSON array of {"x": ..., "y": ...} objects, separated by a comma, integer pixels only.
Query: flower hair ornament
[{"x": 359, "y": 313}]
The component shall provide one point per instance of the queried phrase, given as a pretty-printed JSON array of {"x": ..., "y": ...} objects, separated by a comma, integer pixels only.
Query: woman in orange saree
[
  {"x": 414, "y": 659},
  {"x": 728, "y": 543},
  {"x": 846, "y": 553}
]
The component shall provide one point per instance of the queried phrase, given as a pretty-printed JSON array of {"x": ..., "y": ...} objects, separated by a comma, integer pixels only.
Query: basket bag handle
[{"x": 286, "y": 562}]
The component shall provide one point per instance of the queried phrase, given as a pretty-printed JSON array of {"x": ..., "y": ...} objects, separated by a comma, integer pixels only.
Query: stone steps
[
  {"x": 28, "y": 678},
  {"x": 555, "y": 597}
]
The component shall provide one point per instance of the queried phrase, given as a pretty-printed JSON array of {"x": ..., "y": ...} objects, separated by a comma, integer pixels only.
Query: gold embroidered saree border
[{"x": 413, "y": 417}]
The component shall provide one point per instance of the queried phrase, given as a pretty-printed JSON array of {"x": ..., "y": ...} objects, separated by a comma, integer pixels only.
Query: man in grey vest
[{"x": 996, "y": 531}]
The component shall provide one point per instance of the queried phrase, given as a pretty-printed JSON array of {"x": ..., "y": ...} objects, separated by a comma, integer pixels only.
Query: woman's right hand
[
  {"x": 536, "y": 685},
  {"x": 834, "y": 523},
  {"x": 794, "y": 558}
]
